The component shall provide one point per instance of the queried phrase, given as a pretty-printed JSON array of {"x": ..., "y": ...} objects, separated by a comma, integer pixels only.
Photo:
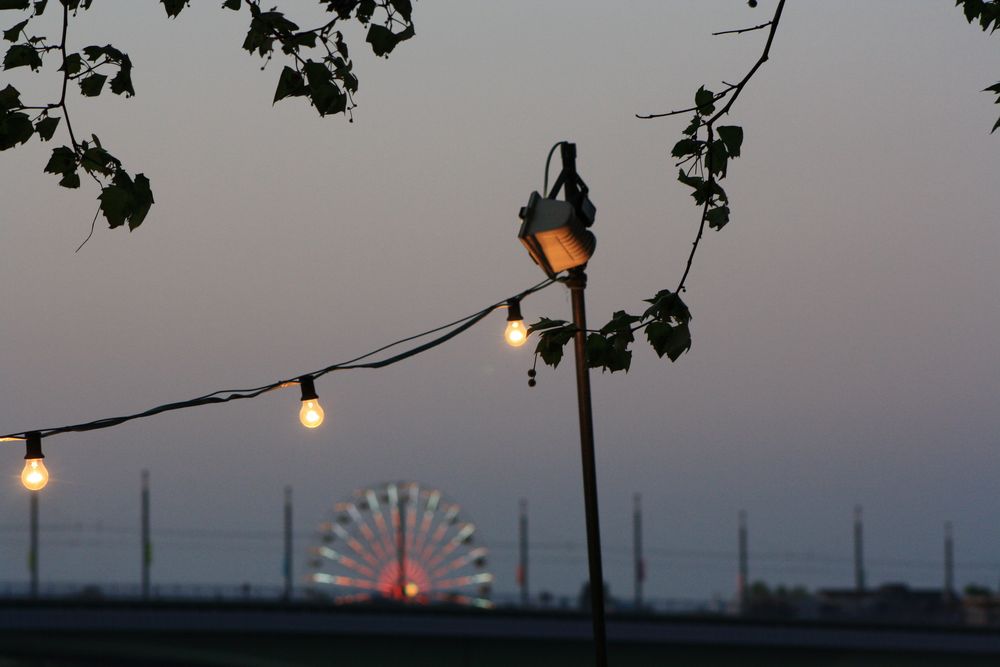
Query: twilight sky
[{"x": 845, "y": 323}]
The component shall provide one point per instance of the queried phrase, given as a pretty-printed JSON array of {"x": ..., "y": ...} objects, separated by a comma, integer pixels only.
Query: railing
[{"x": 268, "y": 592}]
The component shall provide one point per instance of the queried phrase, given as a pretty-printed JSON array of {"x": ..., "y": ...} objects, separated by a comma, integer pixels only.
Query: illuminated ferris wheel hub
[{"x": 402, "y": 542}]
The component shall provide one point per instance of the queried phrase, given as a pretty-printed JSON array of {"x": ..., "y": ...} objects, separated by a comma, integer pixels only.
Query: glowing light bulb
[
  {"x": 516, "y": 333},
  {"x": 35, "y": 475},
  {"x": 311, "y": 415},
  {"x": 411, "y": 590}
]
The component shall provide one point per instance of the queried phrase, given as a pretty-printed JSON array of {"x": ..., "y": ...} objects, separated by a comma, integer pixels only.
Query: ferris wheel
[{"x": 400, "y": 541}]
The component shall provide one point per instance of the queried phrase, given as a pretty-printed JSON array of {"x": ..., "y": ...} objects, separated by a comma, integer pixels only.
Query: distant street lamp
[{"x": 557, "y": 237}]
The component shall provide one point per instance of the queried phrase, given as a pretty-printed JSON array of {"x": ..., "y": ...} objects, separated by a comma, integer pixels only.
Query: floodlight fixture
[{"x": 554, "y": 231}]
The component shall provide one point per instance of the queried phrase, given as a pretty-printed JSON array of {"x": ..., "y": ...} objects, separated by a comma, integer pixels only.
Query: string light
[
  {"x": 516, "y": 334},
  {"x": 306, "y": 381},
  {"x": 35, "y": 476},
  {"x": 311, "y": 415}
]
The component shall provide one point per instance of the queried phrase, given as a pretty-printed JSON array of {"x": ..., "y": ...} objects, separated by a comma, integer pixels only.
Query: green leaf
[
  {"x": 325, "y": 95},
  {"x": 115, "y": 204},
  {"x": 365, "y": 10},
  {"x": 719, "y": 158},
  {"x": 92, "y": 84},
  {"x": 126, "y": 200},
  {"x": 551, "y": 343},
  {"x": 672, "y": 341},
  {"x": 597, "y": 348},
  {"x": 46, "y": 127},
  {"x": 97, "y": 159},
  {"x": 15, "y": 128},
  {"x": 93, "y": 52},
  {"x": 14, "y": 32},
  {"x": 692, "y": 128},
  {"x": 404, "y": 7},
  {"x": 618, "y": 359},
  {"x": 62, "y": 161},
  {"x": 732, "y": 135},
  {"x": 13, "y": 4},
  {"x": 620, "y": 322},
  {"x": 290, "y": 84},
  {"x": 696, "y": 182},
  {"x": 383, "y": 40},
  {"x": 121, "y": 83},
  {"x": 174, "y": 7},
  {"x": 545, "y": 324},
  {"x": 72, "y": 64},
  {"x": 142, "y": 200},
  {"x": 686, "y": 147},
  {"x": 276, "y": 22},
  {"x": 705, "y": 101},
  {"x": 258, "y": 36},
  {"x": 70, "y": 180},
  {"x": 717, "y": 217},
  {"x": 667, "y": 307},
  {"x": 10, "y": 98},
  {"x": 21, "y": 55}
]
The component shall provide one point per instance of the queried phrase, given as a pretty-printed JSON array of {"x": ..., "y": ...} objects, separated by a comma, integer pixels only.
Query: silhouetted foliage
[
  {"x": 318, "y": 69},
  {"x": 987, "y": 14}
]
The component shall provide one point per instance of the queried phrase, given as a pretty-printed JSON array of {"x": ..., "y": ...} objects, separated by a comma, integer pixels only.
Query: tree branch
[{"x": 742, "y": 30}]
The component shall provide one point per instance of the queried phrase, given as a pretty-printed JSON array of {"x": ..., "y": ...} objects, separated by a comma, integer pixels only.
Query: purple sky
[{"x": 845, "y": 323}]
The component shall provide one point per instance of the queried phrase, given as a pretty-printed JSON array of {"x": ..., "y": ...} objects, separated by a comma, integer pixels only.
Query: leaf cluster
[
  {"x": 123, "y": 199},
  {"x": 987, "y": 14},
  {"x": 319, "y": 70},
  {"x": 320, "y": 67},
  {"x": 666, "y": 323},
  {"x": 703, "y": 154}
]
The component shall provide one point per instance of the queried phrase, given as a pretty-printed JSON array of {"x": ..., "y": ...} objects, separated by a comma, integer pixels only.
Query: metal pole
[
  {"x": 522, "y": 569},
  {"x": 33, "y": 545},
  {"x": 859, "y": 552},
  {"x": 288, "y": 543},
  {"x": 577, "y": 283},
  {"x": 401, "y": 551},
  {"x": 146, "y": 546},
  {"x": 949, "y": 564},
  {"x": 744, "y": 565},
  {"x": 638, "y": 565}
]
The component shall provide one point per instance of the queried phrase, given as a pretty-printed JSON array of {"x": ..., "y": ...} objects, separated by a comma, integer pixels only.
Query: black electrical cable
[
  {"x": 225, "y": 395},
  {"x": 545, "y": 185}
]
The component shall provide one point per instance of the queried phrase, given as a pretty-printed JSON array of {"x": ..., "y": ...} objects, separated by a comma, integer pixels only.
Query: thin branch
[
  {"x": 704, "y": 211},
  {"x": 742, "y": 30},
  {"x": 93, "y": 223},
  {"x": 698, "y": 107},
  {"x": 753, "y": 70},
  {"x": 710, "y": 128},
  {"x": 62, "y": 97}
]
